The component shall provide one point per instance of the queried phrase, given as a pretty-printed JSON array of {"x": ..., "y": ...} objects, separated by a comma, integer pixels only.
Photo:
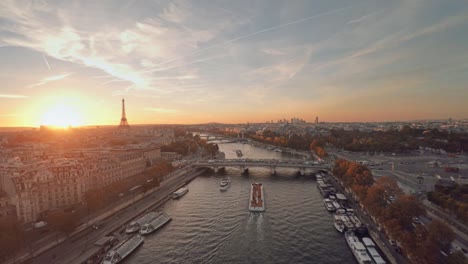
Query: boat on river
[
  {"x": 370, "y": 246},
  {"x": 339, "y": 225},
  {"x": 179, "y": 193},
  {"x": 329, "y": 205},
  {"x": 157, "y": 223},
  {"x": 224, "y": 184},
  {"x": 123, "y": 249},
  {"x": 257, "y": 202},
  {"x": 135, "y": 226},
  {"x": 358, "y": 249}
]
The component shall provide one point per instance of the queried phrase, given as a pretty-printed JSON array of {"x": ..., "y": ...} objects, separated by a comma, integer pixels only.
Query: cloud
[
  {"x": 13, "y": 96},
  {"x": 46, "y": 62},
  {"x": 49, "y": 79},
  {"x": 272, "y": 52}
]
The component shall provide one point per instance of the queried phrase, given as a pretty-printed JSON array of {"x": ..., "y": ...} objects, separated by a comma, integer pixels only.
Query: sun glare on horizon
[{"x": 62, "y": 115}]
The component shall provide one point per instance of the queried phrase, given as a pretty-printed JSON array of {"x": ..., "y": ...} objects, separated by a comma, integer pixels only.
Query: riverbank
[{"x": 65, "y": 248}]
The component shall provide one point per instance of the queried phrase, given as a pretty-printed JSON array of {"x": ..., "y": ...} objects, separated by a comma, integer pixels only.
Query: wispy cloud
[
  {"x": 49, "y": 79},
  {"x": 13, "y": 96},
  {"x": 46, "y": 62}
]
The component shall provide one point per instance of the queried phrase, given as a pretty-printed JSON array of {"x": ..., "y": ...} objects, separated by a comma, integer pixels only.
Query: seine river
[{"x": 210, "y": 226}]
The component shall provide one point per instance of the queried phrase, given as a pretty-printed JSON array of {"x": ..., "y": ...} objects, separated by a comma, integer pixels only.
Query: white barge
[
  {"x": 179, "y": 193},
  {"x": 123, "y": 249},
  {"x": 358, "y": 249},
  {"x": 157, "y": 223}
]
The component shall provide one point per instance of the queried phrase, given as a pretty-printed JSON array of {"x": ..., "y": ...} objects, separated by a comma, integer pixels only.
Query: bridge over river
[{"x": 273, "y": 164}]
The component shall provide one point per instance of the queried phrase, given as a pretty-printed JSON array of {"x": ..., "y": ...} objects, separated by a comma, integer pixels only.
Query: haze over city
[{"x": 70, "y": 62}]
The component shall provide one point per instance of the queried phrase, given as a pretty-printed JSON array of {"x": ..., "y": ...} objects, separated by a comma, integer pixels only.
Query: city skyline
[{"x": 175, "y": 62}]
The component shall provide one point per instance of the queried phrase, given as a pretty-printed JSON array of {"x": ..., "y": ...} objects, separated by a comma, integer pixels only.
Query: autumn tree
[{"x": 441, "y": 235}]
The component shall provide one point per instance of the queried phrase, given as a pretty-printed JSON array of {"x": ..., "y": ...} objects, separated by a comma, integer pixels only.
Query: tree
[
  {"x": 389, "y": 185},
  {"x": 457, "y": 258},
  {"x": 441, "y": 235}
]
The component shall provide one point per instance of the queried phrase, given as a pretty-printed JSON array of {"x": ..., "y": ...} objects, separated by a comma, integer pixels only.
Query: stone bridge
[{"x": 272, "y": 164}]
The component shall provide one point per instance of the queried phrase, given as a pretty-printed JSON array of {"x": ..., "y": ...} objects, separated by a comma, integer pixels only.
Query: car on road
[
  {"x": 98, "y": 225},
  {"x": 40, "y": 224}
]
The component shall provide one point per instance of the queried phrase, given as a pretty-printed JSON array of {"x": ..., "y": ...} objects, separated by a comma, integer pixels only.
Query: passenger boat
[
  {"x": 347, "y": 222},
  {"x": 370, "y": 246},
  {"x": 135, "y": 226},
  {"x": 358, "y": 249},
  {"x": 123, "y": 249},
  {"x": 339, "y": 224},
  {"x": 179, "y": 193},
  {"x": 257, "y": 202},
  {"x": 224, "y": 184},
  {"x": 336, "y": 205},
  {"x": 340, "y": 211},
  {"x": 355, "y": 220},
  {"x": 157, "y": 223}
]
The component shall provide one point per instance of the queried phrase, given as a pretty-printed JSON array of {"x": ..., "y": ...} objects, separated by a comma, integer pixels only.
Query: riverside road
[{"x": 70, "y": 250}]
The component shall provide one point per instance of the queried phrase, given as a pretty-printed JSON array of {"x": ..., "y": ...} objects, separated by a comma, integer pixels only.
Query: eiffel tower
[{"x": 123, "y": 120}]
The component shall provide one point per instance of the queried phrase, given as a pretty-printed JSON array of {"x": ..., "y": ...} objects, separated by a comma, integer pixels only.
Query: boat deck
[{"x": 256, "y": 198}]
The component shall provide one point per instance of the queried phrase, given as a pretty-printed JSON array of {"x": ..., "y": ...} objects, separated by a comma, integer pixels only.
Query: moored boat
[
  {"x": 358, "y": 249},
  {"x": 329, "y": 205},
  {"x": 179, "y": 193},
  {"x": 123, "y": 249},
  {"x": 135, "y": 226},
  {"x": 157, "y": 223},
  {"x": 370, "y": 246},
  {"x": 224, "y": 184},
  {"x": 339, "y": 224},
  {"x": 256, "y": 202},
  {"x": 347, "y": 222},
  {"x": 355, "y": 220}
]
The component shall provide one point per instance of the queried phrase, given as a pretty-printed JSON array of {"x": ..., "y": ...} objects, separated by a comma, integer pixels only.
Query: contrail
[
  {"x": 252, "y": 34},
  {"x": 46, "y": 62}
]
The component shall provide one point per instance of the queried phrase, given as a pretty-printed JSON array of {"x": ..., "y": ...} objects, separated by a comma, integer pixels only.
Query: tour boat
[
  {"x": 154, "y": 225},
  {"x": 358, "y": 249},
  {"x": 347, "y": 222},
  {"x": 135, "y": 226},
  {"x": 257, "y": 202},
  {"x": 370, "y": 246},
  {"x": 224, "y": 184},
  {"x": 179, "y": 193},
  {"x": 329, "y": 205},
  {"x": 355, "y": 220},
  {"x": 123, "y": 249}
]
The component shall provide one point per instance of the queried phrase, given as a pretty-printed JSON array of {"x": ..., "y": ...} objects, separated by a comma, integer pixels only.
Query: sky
[{"x": 72, "y": 62}]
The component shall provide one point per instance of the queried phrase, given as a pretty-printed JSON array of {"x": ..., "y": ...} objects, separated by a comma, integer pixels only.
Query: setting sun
[{"x": 62, "y": 116}]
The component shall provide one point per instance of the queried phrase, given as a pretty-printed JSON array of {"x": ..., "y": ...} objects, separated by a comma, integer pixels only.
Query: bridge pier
[{"x": 244, "y": 170}]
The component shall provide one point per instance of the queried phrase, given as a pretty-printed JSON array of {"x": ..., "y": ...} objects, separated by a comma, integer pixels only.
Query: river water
[{"x": 210, "y": 226}]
